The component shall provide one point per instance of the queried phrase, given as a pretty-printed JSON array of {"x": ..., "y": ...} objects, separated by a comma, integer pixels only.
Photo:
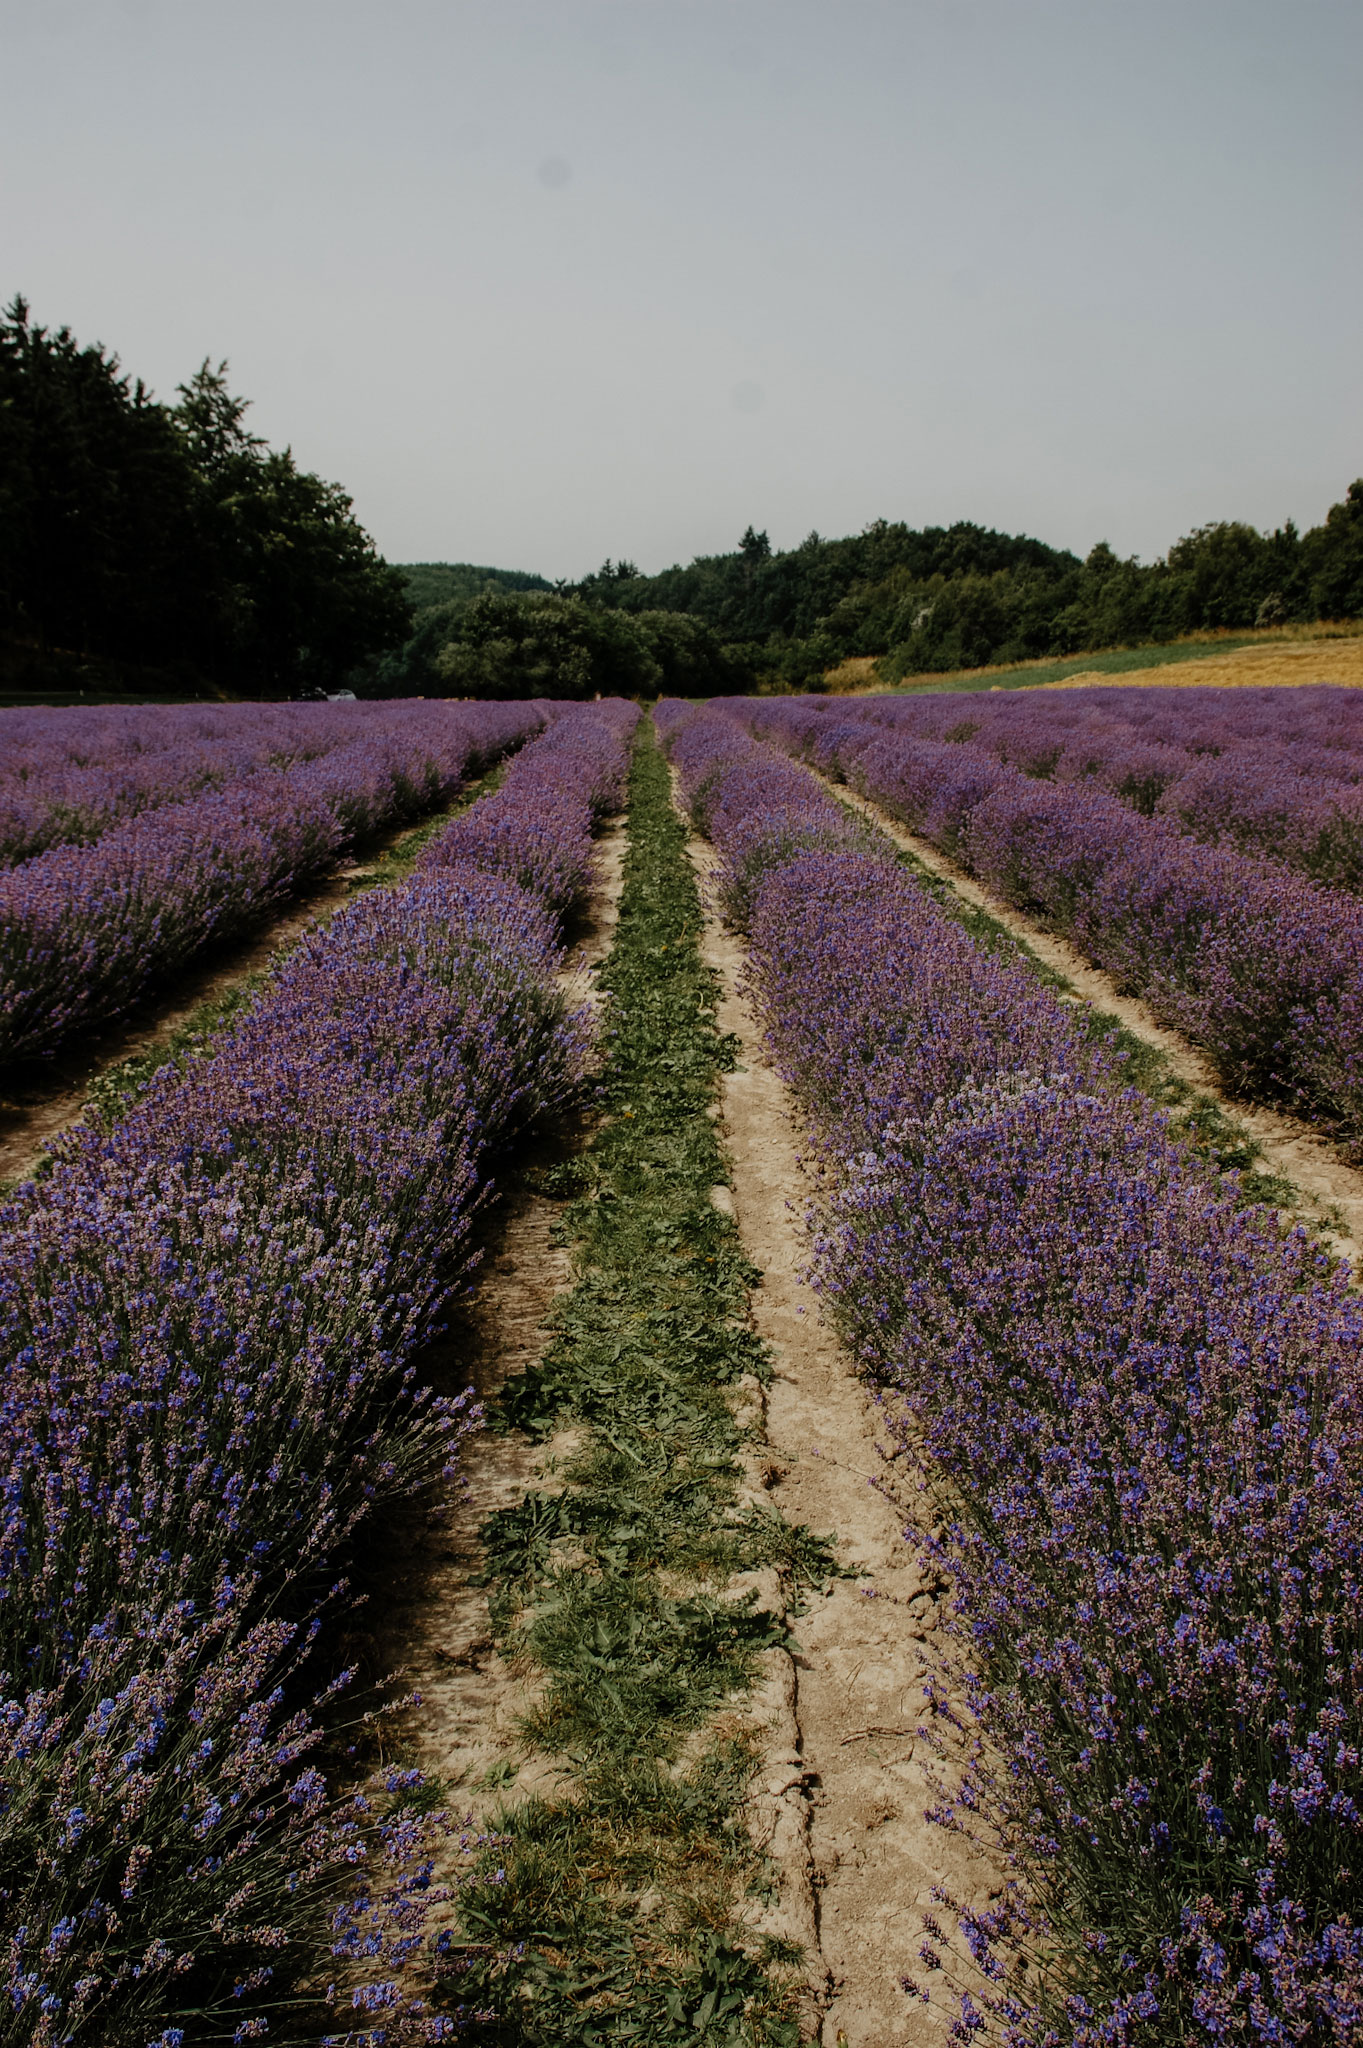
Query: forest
[
  {"x": 918, "y": 600},
  {"x": 513, "y": 641},
  {"x": 964, "y": 596}
]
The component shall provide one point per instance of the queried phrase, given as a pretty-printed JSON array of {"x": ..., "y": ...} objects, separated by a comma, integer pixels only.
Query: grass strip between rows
[{"x": 618, "y": 1916}]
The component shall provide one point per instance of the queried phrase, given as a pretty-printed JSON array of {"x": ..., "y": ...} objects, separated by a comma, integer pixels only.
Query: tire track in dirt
[
  {"x": 840, "y": 1804},
  {"x": 1332, "y": 1191}
]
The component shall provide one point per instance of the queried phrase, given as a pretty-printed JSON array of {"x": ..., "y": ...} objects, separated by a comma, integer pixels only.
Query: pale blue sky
[{"x": 546, "y": 280}]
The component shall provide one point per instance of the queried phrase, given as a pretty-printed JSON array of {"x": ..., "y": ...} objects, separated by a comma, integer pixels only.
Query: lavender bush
[
  {"x": 70, "y": 774},
  {"x": 84, "y": 930},
  {"x": 1134, "y": 1404},
  {"x": 212, "y": 1313},
  {"x": 537, "y": 827},
  {"x": 1275, "y": 772},
  {"x": 1260, "y": 966},
  {"x": 759, "y": 824}
]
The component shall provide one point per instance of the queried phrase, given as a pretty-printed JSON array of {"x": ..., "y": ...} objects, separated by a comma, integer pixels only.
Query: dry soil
[{"x": 842, "y": 1799}]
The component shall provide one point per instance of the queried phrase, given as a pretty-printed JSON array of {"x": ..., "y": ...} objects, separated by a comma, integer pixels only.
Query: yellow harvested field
[{"x": 1279, "y": 663}]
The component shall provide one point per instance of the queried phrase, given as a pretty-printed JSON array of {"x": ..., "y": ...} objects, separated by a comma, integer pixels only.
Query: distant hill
[
  {"x": 451, "y": 582},
  {"x": 755, "y": 591},
  {"x": 439, "y": 594}
]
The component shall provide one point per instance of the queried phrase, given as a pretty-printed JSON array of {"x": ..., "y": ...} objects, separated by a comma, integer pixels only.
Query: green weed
[{"x": 616, "y": 1916}]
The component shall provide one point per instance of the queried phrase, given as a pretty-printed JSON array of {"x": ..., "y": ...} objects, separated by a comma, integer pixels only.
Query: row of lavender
[
  {"x": 86, "y": 930},
  {"x": 43, "y": 737},
  {"x": 1260, "y": 966},
  {"x": 213, "y": 1312},
  {"x": 70, "y": 774},
  {"x": 1135, "y": 1406},
  {"x": 537, "y": 828},
  {"x": 1276, "y": 772}
]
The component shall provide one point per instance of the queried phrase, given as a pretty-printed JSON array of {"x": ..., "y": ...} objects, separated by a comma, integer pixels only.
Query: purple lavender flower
[
  {"x": 85, "y": 929},
  {"x": 1192, "y": 907},
  {"x": 537, "y": 828}
]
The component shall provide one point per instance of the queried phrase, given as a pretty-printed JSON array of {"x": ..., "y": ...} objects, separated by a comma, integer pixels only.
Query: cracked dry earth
[
  {"x": 840, "y": 1807},
  {"x": 1331, "y": 1190}
]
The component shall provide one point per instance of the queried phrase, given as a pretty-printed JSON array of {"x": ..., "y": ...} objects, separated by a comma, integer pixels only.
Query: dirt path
[
  {"x": 43, "y": 1098},
  {"x": 1332, "y": 1191},
  {"x": 436, "y": 1624},
  {"x": 841, "y": 1807}
]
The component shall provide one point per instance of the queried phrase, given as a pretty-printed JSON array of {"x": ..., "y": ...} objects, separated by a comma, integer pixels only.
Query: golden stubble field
[
  {"x": 1314, "y": 661},
  {"x": 1320, "y": 654}
]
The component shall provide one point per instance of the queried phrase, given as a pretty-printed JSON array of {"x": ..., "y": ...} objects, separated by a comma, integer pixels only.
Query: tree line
[
  {"x": 964, "y": 596},
  {"x": 507, "y": 641},
  {"x": 919, "y": 600},
  {"x": 166, "y": 544}
]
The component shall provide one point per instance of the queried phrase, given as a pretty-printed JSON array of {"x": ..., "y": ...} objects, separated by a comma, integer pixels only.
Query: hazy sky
[{"x": 542, "y": 281}]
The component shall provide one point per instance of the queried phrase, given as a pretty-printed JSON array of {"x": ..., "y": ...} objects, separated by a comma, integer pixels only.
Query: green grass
[
  {"x": 617, "y": 1916},
  {"x": 1116, "y": 661}
]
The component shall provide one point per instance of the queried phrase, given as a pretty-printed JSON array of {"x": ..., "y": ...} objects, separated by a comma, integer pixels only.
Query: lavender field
[
  {"x": 1117, "y": 1392},
  {"x": 1207, "y": 860},
  {"x": 88, "y": 926}
]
